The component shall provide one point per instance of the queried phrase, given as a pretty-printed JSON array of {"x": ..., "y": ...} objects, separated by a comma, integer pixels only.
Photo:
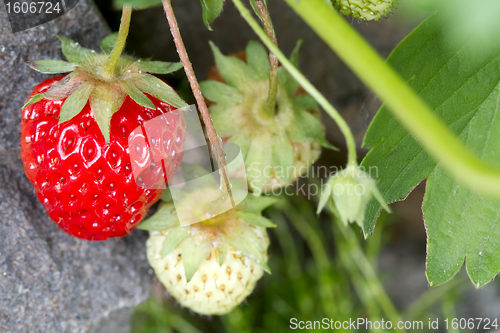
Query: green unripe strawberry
[
  {"x": 279, "y": 146},
  {"x": 365, "y": 9}
]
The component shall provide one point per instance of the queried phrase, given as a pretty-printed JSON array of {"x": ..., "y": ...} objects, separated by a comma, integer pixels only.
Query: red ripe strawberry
[{"x": 75, "y": 141}]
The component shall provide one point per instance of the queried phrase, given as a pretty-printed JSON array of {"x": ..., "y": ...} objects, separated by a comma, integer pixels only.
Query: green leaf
[
  {"x": 259, "y": 163},
  {"x": 223, "y": 248},
  {"x": 104, "y": 103},
  {"x": 467, "y": 18},
  {"x": 243, "y": 141},
  {"x": 61, "y": 89},
  {"x": 255, "y": 219},
  {"x": 461, "y": 86},
  {"x": 304, "y": 102},
  {"x": 326, "y": 196},
  {"x": 193, "y": 254},
  {"x": 174, "y": 237},
  {"x": 248, "y": 243},
  {"x": 165, "y": 218},
  {"x": 285, "y": 79},
  {"x": 223, "y": 121},
  {"x": 294, "y": 57},
  {"x": 52, "y": 66},
  {"x": 156, "y": 87},
  {"x": 34, "y": 99},
  {"x": 73, "y": 51},
  {"x": 211, "y": 10},
  {"x": 108, "y": 42},
  {"x": 139, "y": 4},
  {"x": 258, "y": 59},
  {"x": 401, "y": 164},
  {"x": 283, "y": 157},
  {"x": 219, "y": 92},
  {"x": 138, "y": 96},
  {"x": 234, "y": 71},
  {"x": 306, "y": 128},
  {"x": 159, "y": 67},
  {"x": 459, "y": 222},
  {"x": 75, "y": 103},
  {"x": 256, "y": 205}
]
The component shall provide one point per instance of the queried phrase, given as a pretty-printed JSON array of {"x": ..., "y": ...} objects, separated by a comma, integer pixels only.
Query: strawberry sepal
[
  {"x": 273, "y": 147},
  {"x": 84, "y": 83},
  {"x": 50, "y": 66}
]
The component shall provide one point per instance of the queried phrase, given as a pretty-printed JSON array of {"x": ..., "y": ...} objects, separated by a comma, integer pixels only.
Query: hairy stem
[
  {"x": 273, "y": 61},
  {"x": 301, "y": 79},
  {"x": 195, "y": 87},
  {"x": 108, "y": 71},
  {"x": 402, "y": 101}
]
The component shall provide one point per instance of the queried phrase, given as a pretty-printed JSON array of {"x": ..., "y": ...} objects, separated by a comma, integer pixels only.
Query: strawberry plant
[
  {"x": 439, "y": 89},
  {"x": 439, "y": 124}
]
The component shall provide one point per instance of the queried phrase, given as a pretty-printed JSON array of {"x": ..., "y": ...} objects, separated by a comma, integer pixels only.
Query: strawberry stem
[
  {"x": 195, "y": 87},
  {"x": 270, "y": 106},
  {"x": 108, "y": 71},
  {"x": 301, "y": 79}
]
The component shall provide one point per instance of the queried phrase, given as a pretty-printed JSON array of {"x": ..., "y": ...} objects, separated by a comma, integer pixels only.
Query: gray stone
[{"x": 49, "y": 281}]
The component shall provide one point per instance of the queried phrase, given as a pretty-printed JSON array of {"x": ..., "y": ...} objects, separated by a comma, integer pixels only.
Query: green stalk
[
  {"x": 287, "y": 244},
  {"x": 270, "y": 107},
  {"x": 403, "y": 102},
  {"x": 358, "y": 256},
  {"x": 319, "y": 253},
  {"x": 358, "y": 281},
  {"x": 311, "y": 90},
  {"x": 108, "y": 71}
]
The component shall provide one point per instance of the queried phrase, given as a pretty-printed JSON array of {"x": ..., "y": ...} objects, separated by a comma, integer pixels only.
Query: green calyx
[
  {"x": 106, "y": 94},
  {"x": 269, "y": 142},
  {"x": 242, "y": 228},
  {"x": 367, "y": 10},
  {"x": 348, "y": 193}
]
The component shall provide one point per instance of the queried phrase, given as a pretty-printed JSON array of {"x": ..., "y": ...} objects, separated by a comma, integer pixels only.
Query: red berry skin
[{"x": 87, "y": 186}]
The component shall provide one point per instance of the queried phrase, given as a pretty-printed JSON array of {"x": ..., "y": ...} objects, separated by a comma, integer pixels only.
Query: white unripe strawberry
[
  {"x": 213, "y": 289},
  {"x": 213, "y": 265}
]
